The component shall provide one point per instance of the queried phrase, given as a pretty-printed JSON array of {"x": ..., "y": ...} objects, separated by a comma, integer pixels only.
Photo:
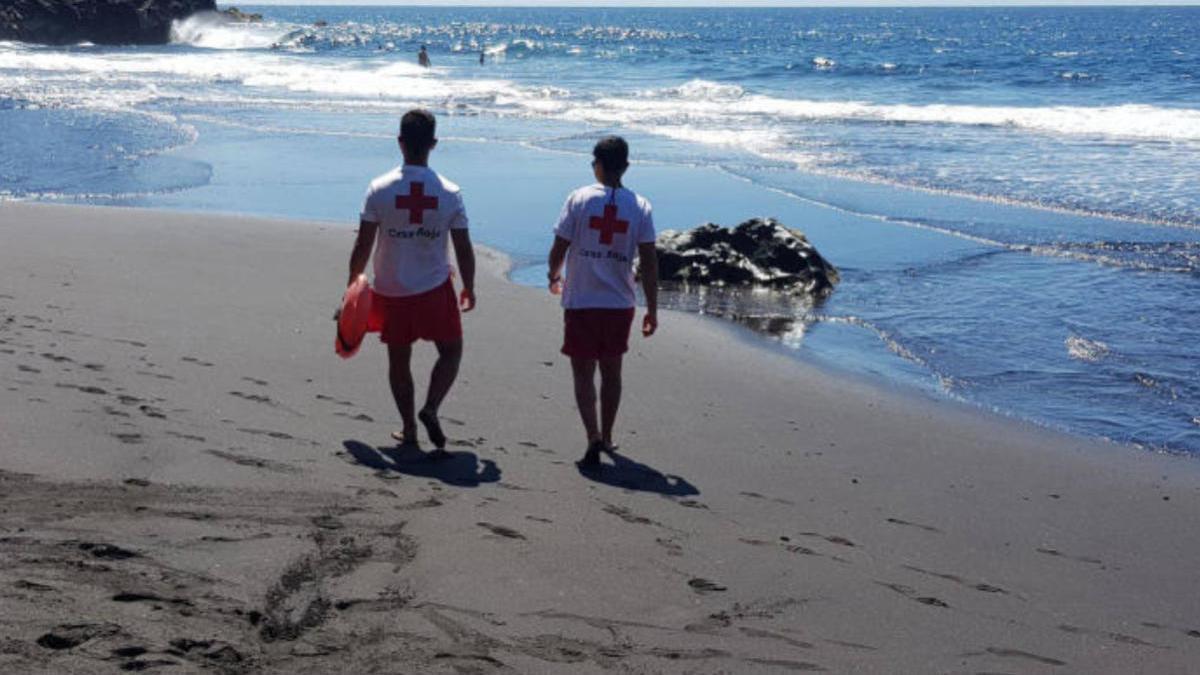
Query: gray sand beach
[{"x": 192, "y": 481}]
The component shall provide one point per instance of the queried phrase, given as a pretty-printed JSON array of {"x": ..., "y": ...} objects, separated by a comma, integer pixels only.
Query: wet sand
[{"x": 192, "y": 481}]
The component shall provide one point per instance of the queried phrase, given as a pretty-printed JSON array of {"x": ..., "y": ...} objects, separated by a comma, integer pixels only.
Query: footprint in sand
[
  {"x": 777, "y": 500},
  {"x": 1019, "y": 654},
  {"x": 910, "y": 592},
  {"x": 266, "y": 432},
  {"x": 1059, "y": 554},
  {"x": 68, "y": 636},
  {"x": 24, "y": 585},
  {"x": 327, "y": 522},
  {"x": 982, "y": 587},
  {"x": 833, "y": 539},
  {"x": 1115, "y": 637},
  {"x": 160, "y": 376},
  {"x": 909, "y": 523},
  {"x": 704, "y": 586},
  {"x": 501, "y": 531},
  {"x": 787, "y": 664},
  {"x": 254, "y": 462},
  {"x": 151, "y": 411},
  {"x": 427, "y": 503},
  {"x": 128, "y": 597},
  {"x": 330, "y": 399},
  {"x": 214, "y": 654},
  {"x": 83, "y": 388},
  {"x": 253, "y": 398},
  {"x": 627, "y": 515},
  {"x": 790, "y": 548},
  {"x": 672, "y": 546},
  {"x": 186, "y": 437}
]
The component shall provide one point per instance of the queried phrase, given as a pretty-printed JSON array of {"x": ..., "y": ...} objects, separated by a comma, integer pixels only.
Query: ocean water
[{"x": 1012, "y": 195}]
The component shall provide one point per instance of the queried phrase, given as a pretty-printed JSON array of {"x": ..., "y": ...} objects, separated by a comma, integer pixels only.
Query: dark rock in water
[
  {"x": 108, "y": 22},
  {"x": 238, "y": 16},
  {"x": 759, "y": 252}
]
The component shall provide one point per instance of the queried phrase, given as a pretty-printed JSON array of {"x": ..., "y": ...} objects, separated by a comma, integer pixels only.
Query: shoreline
[
  {"x": 878, "y": 322},
  {"x": 190, "y": 476},
  {"x": 896, "y": 385}
]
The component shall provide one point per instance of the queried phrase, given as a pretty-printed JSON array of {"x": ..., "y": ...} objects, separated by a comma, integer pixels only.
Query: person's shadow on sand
[
  {"x": 460, "y": 469},
  {"x": 630, "y": 475}
]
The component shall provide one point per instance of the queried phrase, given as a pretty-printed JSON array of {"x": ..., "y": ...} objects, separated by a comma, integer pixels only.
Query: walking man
[
  {"x": 602, "y": 228},
  {"x": 409, "y": 214}
]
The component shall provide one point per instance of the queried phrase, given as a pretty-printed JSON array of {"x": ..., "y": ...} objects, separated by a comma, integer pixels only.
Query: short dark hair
[
  {"x": 418, "y": 130},
  {"x": 613, "y": 153}
]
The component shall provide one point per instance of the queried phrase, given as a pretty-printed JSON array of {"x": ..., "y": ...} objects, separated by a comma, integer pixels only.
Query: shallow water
[{"x": 1011, "y": 195}]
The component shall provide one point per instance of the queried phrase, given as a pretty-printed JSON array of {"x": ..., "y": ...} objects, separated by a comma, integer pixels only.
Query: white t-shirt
[
  {"x": 415, "y": 208},
  {"x": 604, "y": 227}
]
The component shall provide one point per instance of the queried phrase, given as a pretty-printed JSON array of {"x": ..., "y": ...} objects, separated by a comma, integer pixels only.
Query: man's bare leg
[
  {"x": 610, "y": 397},
  {"x": 440, "y": 381},
  {"x": 400, "y": 379},
  {"x": 584, "y": 372}
]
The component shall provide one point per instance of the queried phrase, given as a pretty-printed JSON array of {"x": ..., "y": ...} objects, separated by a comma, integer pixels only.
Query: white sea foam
[
  {"x": 211, "y": 30},
  {"x": 697, "y": 104},
  {"x": 1123, "y": 121},
  {"x": 717, "y": 114},
  {"x": 138, "y": 77},
  {"x": 1083, "y": 349}
]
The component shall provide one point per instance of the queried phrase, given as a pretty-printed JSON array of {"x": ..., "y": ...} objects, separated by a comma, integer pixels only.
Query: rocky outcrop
[
  {"x": 109, "y": 22},
  {"x": 760, "y": 252},
  {"x": 238, "y": 16}
]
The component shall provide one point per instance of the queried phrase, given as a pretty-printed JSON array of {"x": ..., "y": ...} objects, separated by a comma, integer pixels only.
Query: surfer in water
[{"x": 423, "y": 57}]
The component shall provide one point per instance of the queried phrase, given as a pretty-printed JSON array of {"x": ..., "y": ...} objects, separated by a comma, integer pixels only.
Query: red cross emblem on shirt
[
  {"x": 608, "y": 225},
  {"x": 417, "y": 203}
]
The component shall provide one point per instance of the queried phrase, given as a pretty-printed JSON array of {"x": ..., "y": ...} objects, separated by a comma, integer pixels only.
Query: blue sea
[{"x": 1012, "y": 195}]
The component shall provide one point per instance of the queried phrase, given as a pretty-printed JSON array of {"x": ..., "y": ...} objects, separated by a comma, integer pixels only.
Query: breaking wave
[{"x": 211, "y": 30}]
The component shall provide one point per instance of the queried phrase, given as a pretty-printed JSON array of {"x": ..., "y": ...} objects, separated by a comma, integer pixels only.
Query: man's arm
[
  {"x": 558, "y": 255},
  {"x": 362, "y": 249},
  {"x": 464, "y": 253},
  {"x": 648, "y": 266}
]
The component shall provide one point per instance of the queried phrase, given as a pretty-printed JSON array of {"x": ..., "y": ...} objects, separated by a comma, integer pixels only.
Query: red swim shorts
[
  {"x": 432, "y": 315},
  {"x": 596, "y": 333}
]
